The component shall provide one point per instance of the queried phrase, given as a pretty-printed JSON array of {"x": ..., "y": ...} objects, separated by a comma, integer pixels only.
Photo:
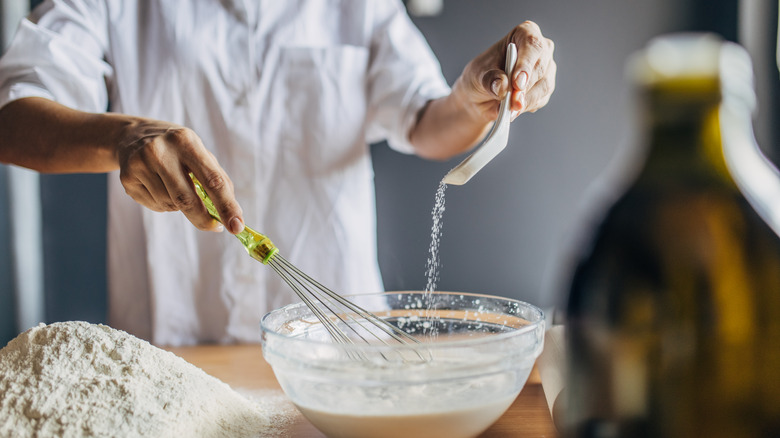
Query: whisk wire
[
  {"x": 353, "y": 319},
  {"x": 310, "y": 303},
  {"x": 326, "y": 295},
  {"x": 291, "y": 275}
]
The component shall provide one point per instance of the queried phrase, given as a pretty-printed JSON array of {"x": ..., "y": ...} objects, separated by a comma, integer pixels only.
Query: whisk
[{"x": 344, "y": 321}]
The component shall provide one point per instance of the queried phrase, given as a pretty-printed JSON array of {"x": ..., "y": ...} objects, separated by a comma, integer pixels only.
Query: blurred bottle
[{"x": 674, "y": 308}]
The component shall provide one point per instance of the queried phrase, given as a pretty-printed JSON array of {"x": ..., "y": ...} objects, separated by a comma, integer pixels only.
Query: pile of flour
[{"x": 76, "y": 379}]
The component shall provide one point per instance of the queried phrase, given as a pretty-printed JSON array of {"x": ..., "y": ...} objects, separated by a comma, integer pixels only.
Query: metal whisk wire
[
  {"x": 344, "y": 321},
  {"x": 339, "y": 316},
  {"x": 306, "y": 288}
]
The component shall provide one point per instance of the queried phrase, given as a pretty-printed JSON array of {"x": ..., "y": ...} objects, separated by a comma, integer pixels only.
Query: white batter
[{"x": 459, "y": 423}]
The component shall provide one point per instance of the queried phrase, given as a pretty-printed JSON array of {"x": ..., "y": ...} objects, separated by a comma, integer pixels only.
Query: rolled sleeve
[
  {"x": 58, "y": 53},
  {"x": 404, "y": 76}
]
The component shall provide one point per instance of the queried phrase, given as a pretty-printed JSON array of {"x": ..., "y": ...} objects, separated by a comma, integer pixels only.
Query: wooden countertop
[{"x": 243, "y": 366}]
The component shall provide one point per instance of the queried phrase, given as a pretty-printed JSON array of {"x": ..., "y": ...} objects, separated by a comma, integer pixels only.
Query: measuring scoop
[{"x": 495, "y": 141}]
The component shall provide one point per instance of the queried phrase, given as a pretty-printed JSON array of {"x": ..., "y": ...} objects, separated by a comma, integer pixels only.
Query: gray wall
[
  {"x": 504, "y": 230},
  {"x": 7, "y": 303},
  {"x": 9, "y": 11},
  {"x": 74, "y": 244}
]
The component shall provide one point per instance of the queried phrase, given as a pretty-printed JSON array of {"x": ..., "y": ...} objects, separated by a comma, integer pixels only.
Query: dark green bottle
[{"x": 673, "y": 325}]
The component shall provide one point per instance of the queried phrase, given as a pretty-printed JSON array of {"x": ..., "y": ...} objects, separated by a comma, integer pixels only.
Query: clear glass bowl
[{"x": 456, "y": 383}]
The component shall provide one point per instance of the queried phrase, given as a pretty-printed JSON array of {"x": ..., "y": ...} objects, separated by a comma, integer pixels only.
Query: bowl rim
[{"x": 529, "y": 327}]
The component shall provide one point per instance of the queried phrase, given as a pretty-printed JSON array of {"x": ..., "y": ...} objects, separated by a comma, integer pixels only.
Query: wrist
[{"x": 115, "y": 132}]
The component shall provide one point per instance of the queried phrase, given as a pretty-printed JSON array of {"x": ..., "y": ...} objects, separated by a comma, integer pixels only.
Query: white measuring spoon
[{"x": 495, "y": 141}]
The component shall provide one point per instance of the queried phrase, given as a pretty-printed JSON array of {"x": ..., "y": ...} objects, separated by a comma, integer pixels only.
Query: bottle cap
[{"x": 695, "y": 62}]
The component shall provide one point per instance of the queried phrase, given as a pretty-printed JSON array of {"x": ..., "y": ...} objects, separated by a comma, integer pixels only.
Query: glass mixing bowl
[{"x": 475, "y": 356}]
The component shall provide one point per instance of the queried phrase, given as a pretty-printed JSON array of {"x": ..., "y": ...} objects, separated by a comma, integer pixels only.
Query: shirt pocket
[{"x": 317, "y": 98}]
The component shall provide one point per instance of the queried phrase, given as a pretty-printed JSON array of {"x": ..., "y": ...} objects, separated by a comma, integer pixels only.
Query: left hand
[{"x": 483, "y": 82}]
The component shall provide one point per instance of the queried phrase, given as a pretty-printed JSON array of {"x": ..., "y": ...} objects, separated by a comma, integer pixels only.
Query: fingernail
[
  {"x": 236, "y": 226},
  {"x": 515, "y": 114},
  {"x": 522, "y": 80},
  {"x": 219, "y": 228},
  {"x": 494, "y": 87}
]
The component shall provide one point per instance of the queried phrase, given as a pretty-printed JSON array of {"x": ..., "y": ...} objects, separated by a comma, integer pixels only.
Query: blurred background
[{"x": 505, "y": 233}]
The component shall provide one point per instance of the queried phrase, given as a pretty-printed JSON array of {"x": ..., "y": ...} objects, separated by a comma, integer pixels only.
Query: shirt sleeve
[
  {"x": 403, "y": 76},
  {"x": 58, "y": 52}
]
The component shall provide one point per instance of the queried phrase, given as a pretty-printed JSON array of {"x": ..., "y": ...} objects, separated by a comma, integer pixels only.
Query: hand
[
  {"x": 483, "y": 82},
  {"x": 154, "y": 160}
]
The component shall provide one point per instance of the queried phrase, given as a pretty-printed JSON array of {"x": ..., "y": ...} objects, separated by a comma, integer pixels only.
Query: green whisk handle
[{"x": 258, "y": 245}]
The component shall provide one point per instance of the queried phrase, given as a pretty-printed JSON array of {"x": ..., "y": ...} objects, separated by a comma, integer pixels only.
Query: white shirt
[{"x": 286, "y": 94}]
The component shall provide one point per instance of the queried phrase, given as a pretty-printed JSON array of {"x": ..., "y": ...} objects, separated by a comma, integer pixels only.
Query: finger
[
  {"x": 198, "y": 160},
  {"x": 539, "y": 95},
  {"x": 539, "y": 92},
  {"x": 156, "y": 189},
  {"x": 143, "y": 185},
  {"x": 531, "y": 48},
  {"x": 496, "y": 83},
  {"x": 541, "y": 69},
  {"x": 182, "y": 196},
  {"x": 220, "y": 189},
  {"x": 138, "y": 192},
  {"x": 518, "y": 102}
]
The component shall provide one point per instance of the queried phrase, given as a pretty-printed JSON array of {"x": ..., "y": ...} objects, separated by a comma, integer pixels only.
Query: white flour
[{"x": 76, "y": 379}]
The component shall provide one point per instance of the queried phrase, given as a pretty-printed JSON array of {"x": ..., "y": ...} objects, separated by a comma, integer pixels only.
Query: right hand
[
  {"x": 154, "y": 161},
  {"x": 483, "y": 83}
]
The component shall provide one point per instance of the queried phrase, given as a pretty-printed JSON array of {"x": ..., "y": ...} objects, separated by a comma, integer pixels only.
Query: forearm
[
  {"x": 43, "y": 135},
  {"x": 447, "y": 127}
]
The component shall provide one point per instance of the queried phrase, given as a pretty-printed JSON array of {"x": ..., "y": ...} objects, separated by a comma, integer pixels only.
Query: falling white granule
[
  {"x": 75, "y": 379},
  {"x": 433, "y": 263}
]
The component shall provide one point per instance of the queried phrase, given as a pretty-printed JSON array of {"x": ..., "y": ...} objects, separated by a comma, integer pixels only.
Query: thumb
[{"x": 495, "y": 83}]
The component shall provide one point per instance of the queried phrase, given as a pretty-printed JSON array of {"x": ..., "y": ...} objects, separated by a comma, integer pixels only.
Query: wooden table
[{"x": 243, "y": 366}]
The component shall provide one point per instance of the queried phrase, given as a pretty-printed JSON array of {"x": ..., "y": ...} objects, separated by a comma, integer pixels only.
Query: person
[{"x": 274, "y": 107}]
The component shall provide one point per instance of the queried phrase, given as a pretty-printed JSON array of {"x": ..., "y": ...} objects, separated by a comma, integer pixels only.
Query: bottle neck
[{"x": 684, "y": 143}]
